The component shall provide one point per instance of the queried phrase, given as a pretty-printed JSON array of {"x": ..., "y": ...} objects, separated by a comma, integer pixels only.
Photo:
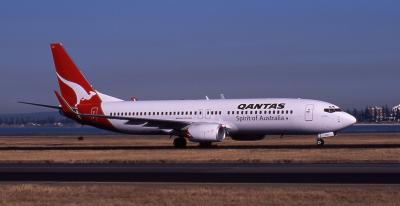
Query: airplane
[{"x": 203, "y": 121}]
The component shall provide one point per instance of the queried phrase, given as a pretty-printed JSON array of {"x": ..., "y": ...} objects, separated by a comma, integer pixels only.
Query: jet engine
[{"x": 206, "y": 132}]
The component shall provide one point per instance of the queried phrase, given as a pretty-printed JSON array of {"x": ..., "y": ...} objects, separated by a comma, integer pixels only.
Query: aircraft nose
[{"x": 349, "y": 119}]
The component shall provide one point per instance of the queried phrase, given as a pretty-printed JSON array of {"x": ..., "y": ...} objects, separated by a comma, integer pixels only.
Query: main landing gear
[
  {"x": 180, "y": 142},
  {"x": 320, "y": 142}
]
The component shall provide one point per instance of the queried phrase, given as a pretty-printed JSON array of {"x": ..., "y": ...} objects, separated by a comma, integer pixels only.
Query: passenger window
[
  {"x": 229, "y": 112},
  {"x": 273, "y": 112},
  {"x": 278, "y": 112},
  {"x": 195, "y": 113}
]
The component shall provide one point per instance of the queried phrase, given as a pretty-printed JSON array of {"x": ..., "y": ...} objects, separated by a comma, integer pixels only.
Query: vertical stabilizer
[{"x": 75, "y": 89}]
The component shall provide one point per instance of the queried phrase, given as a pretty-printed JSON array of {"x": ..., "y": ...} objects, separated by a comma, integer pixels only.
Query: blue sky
[{"x": 344, "y": 52}]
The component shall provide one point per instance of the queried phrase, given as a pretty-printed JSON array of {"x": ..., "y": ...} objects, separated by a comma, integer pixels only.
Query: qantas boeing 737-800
[{"x": 203, "y": 121}]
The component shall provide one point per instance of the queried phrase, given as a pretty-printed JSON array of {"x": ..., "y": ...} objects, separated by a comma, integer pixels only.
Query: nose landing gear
[
  {"x": 320, "y": 142},
  {"x": 321, "y": 136}
]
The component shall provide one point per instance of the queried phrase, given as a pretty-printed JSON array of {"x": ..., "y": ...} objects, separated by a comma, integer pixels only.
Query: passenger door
[
  {"x": 94, "y": 111},
  {"x": 309, "y": 112}
]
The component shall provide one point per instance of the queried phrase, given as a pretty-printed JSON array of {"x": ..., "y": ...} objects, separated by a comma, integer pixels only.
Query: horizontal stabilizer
[{"x": 41, "y": 105}]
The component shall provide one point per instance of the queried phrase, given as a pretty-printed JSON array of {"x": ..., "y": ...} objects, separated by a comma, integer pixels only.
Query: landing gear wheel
[
  {"x": 205, "y": 144},
  {"x": 320, "y": 142},
  {"x": 180, "y": 142}
]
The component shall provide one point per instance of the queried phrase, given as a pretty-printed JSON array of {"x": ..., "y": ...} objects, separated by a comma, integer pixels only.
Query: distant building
[
  {"x": 396, "y": 113},
  {"x": 376, "y": 113}
]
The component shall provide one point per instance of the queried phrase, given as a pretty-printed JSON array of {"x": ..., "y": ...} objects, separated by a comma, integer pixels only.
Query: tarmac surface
[
  {"x": 204, "y": 173},
  {"x": 140, "y": 147}
]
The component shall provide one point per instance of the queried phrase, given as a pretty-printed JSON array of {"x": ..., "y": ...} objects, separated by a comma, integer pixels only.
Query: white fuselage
[{"x": 239, "y": 116}]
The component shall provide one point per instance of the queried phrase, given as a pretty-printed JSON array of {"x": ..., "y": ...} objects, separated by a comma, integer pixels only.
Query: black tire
[
  {"x": 180, "y": 142},
  {"x": 320, "y": 142}
]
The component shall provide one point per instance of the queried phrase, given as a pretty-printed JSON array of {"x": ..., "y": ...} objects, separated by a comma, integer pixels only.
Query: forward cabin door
[{"x": 309, "y": 112}]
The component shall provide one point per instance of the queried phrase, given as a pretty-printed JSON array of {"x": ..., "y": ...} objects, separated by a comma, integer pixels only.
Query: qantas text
[{"x": 261, "y": 106}]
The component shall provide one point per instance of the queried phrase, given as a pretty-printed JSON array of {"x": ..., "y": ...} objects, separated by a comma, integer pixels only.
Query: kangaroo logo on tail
[{"x": 79, "y": 91}]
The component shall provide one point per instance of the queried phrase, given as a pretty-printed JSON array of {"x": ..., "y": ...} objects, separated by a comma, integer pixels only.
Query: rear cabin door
[
  {"x": 309, "y": 112},
  {"x": 94, "y": 111}
]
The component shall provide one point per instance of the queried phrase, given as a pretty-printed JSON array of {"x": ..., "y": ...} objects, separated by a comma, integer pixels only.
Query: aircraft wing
[{"x": 146, "y": 122}]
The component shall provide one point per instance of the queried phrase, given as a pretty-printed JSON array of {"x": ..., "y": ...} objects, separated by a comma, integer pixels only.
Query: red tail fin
[{"x": 74, "y": 87}]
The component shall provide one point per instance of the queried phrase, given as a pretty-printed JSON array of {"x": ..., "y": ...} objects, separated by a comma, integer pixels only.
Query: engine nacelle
[{"x": 206, "y": 133}]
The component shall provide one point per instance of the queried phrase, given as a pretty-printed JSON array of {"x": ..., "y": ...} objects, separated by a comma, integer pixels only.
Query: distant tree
[
  {"x": 367, "y": 115},
  {"x": 356, "y": 114}
]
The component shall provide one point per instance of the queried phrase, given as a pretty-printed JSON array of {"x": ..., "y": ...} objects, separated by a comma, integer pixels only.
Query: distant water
[
  {"x": 373, "y": 128},
  {"x": 86, "y": 130}
]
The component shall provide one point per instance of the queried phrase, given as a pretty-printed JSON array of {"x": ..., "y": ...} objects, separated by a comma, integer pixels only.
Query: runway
[
  {"x": 220, "y": 147},
  {"x": 204, "y": 173}
]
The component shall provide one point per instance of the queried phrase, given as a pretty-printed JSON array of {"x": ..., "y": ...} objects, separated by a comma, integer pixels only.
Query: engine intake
[{"x": 206, "y": 133}]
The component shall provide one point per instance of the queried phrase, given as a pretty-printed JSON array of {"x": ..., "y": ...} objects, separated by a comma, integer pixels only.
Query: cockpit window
[{"x": 332, "y": 110}]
